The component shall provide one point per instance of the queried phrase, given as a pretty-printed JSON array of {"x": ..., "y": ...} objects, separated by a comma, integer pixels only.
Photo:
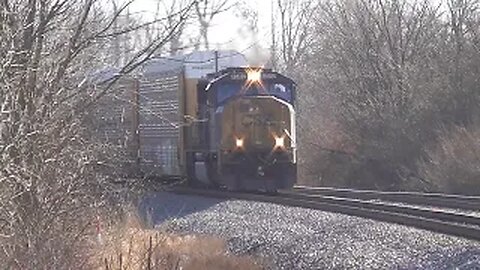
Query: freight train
[{"x": 208, "y": 119}]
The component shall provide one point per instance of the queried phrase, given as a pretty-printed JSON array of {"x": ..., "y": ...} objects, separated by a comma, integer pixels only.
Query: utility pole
[{"x": 216, "y": 61}]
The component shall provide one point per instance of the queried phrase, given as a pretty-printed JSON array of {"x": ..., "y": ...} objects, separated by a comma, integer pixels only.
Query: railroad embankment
[{"x": 300, "y": 238}]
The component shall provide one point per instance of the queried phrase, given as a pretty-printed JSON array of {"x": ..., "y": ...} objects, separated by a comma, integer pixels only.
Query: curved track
[
  {"x": 430, "y": 199},
  {"x": 440, "y": 221}
]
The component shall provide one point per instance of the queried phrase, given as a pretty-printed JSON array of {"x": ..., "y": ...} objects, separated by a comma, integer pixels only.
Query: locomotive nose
[{"x": 257, "y": 124}]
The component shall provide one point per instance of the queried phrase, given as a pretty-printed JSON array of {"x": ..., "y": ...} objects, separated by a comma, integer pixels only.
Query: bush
[
  {"x": 131, "y": 247},
  {"x": 453, "y": 164}
]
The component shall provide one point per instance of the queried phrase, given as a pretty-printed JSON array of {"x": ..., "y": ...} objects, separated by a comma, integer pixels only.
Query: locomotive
[
  {"x": 246, "y": 140},
  {"x": 215, "y": 123}
]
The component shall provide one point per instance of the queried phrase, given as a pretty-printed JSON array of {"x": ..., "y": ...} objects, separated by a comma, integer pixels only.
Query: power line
[{"x": 207, "y": 60}]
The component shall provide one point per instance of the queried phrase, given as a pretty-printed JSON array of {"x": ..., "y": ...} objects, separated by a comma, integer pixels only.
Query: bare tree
[
  {"x": 206, "y": 10},
  {"x": 293, "y": 31},
  {"x": 53, "y": 176},
  {"x": 383, "y": 71},
  {"x": 175, "y": 43},
  {"x": 463, "y": 45},
  {"x": 360, "y": 70}
]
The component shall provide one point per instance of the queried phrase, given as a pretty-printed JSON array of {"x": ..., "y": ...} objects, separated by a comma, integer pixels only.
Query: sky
[{"x": 226, "y": 31}]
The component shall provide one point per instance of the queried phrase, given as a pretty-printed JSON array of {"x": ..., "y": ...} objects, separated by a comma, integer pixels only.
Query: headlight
[
  {"x": 254, "y": 75},
  {"x": 239, "y": 142},
  {"x": 279, "y": 142}
]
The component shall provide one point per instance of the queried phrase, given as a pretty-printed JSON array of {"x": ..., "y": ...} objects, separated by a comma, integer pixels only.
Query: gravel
[{"x": 297, "y": 238}]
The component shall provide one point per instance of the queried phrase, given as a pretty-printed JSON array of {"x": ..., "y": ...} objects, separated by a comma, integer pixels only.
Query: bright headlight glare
[
  {"x": 239, "y": 142},
  {"x": 254, "y": 75},
  {"x": 279, "y": 142}
]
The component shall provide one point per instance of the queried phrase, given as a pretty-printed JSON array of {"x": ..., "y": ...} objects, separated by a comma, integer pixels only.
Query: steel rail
[
  {"x": 433, "y": 220},
  {"x": 432, "y": 199},
  {"x": 382, "y": 206}
]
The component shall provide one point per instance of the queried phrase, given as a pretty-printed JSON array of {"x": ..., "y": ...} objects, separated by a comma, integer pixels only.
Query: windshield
[{"x": 229, "y": 89}]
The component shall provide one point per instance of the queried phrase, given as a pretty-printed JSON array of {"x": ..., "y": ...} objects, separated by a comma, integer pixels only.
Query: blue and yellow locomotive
[{"x": 244, "y": 136}]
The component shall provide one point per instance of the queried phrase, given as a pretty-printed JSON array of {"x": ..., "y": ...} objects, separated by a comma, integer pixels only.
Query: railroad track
[
  {"x": 430, "y": 199},
  {"x": 436, "y": 220}
]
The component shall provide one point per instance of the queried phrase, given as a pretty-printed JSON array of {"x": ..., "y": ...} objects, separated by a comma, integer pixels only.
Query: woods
[
  {"x": 55, "y": 178},
  {"x": 384, "y": 83}
]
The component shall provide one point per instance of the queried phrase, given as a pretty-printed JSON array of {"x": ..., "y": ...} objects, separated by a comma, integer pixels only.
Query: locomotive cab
[{"x": 246, "y": 140}]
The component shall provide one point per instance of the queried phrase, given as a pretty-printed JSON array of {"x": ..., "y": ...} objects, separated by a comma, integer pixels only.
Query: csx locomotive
[{"x": 245, "y": 137}]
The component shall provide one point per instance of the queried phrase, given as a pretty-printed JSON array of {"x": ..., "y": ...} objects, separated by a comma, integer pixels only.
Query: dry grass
[{"x": 130, "y": 247}]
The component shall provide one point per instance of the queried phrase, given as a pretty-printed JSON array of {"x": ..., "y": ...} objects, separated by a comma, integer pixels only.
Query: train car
[{"x": 205, "y": 118}]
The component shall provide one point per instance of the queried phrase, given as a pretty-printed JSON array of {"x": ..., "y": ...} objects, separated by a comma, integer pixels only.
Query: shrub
[
  {"x": 131, "y": 247},
  {"x": 453, "y": 164}
]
